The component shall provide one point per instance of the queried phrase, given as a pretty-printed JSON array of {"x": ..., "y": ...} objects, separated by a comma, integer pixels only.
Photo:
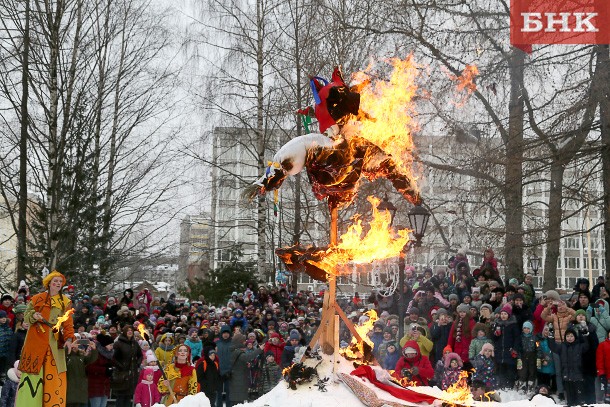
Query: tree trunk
[
  {"x": 513, "y": 192},
  {"x": 603, "y": 65},
  {"x": 554, "y": 226},
  {"x": 260, "y": 138},
  {"x": 23, "y": 150}
]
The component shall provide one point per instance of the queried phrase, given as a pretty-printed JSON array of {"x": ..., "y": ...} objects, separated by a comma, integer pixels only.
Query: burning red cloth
[{"x": 403, "y": 394}]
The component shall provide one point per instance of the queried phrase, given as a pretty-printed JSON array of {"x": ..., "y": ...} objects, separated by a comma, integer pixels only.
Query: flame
[
  {"x": 355, "y": 350},
  {"x": 63, "y": 319},
  {"x": 143, "y": 332},
  {"x": 377, "y": 244},
  {"x": 465, "y": 82},
  {"x": 459, "y": 392},
  {"x": 403, "y": 381},
  {"x": 387, "y": 111}
]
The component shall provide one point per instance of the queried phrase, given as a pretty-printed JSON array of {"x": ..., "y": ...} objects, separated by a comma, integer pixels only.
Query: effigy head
[{"x": 334, "y": 100}]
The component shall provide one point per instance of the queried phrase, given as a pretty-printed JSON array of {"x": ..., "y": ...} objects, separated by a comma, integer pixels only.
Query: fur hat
[
  {"x": 148, "y": 371},
  {"x": 104, "y": 339},
  {"x": 238, "y": 340},
  {"x": 479, "y": 327},
  {"x": 150, "y": 356},
  {"x": 463, "y": 308},
  {"x": 552, "y": 295},
  {"x": 454, "y": 297},
  {"x": 487, "y": 346},
  {"x": 528, "y": 324},
  {"x": 294, "y": 334},
  {"x": 451, "y": 356},
  {"x": 488, "y": 306},
  {"x": 3, "y": 314},
  {"x": 442, "y": 311}
]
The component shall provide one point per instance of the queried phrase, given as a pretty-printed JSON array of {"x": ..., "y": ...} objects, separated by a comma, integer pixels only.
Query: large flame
[
  {"x": 459, "y": 393},
  {"x": 388, "y": 111},
  {"x": 355, "y": 350},
  {"x": 376, "y": 244},
  {"x": 143, "y": 333},
  {"x": 63, "y": 319}
]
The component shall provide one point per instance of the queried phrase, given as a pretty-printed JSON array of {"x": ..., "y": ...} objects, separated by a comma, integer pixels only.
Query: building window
[
  {"x": 571, "y": 262},
  {"x": 594, "y": 263},
  {"x": 572, "y": 243}
]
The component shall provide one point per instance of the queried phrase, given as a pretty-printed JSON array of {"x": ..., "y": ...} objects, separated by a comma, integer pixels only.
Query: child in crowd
[
  {"x": 479, "y": 338},
  {"x": 526, "y": 365},
  {"x": 194, "y": 343},
  {"x": 570, "y": 353},
  {"x": 484, "y": 366},
  {"x": 147, "y": 394},
  {"x": 9, "y": 389},
  {"x": 271, "y": 373},
  {"x": 439, "y": 367},
  {"x": 391, "y": 356},
  {"x": 544, "y": 362},
  {"x": 453, "y": 367},
  {"x": 506, "y": 336},
  {"x": 208, "y": 374}
]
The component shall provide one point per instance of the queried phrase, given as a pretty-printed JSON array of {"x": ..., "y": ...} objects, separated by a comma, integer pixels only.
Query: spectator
[
  {"x": 505, "y": 335},
  {"x": 413, "y": 365},
  {"x": 545, "y": 364},
  {"x": 290, "y": 349},
  {"x": 6, "y": 305},
  {"x": 8, "y": 397},
  {"x": 239, "y": 382},
  {"x": 485, "y": 367},
  {"x": 271, "y": 373},
  {"x": 526, "y": 369},
  {"x": 453, "y": 367},
  {"x": 126, "y": 362},
  {"x": 193, "y": 342},
  {"x": 146, "y": 393},
  {"x": 77, "y": 379},
  {"x": 603, "y": 367},
  {"x": 596, "y": 291},
  {"x": 600, "y": 318},
  {"x": 99, "y": 371},
  {"x": 460, "y": 335},
  {"x": 417, "y": 333},
  {"x": 165, "y": 350},
  {"x": 392, "y": 356},
  {"x": 439, "y": 333},
  {"x": 570, "y": 352},
  {"x": 223, "y": 352},
  {"x": 208, "y": 374},
  {"x": 127, "y": 299},
  {"x": 6, "y": 340},
  {"x": 480, "y": 337}
]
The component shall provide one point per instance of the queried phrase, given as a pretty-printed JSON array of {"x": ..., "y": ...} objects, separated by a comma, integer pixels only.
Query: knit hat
[
  {"x": 528, "y": 324},
  {"x": 487, "y": 346},
  {"x": 192, "y": 330},
  {"x": 463, "y": 308},
  {"x": 147, "y": 371},
  {"x": 47, "y": 280},
  {"x": 513, "y": 281},
  {"x": 454, "y": 297},
  {"x": 413, "y": 310},
  {"x": 488, "y": 306},
  {"x": 3, "y": 314},
  {"x": 150, "y": 356},
  {"x": 238, "y": 340},
  {"x": 442, "y": 311},
  {"x": 508, "y": 309},
  {"x": 269, "y": 353},
  {"x": 447, "y": 349},
  {"x": 519, "y": 296},
  {"x": 580, "y": 312},
  {"x": 294, "y": 334},
  {"x": 552, "y": 295}
]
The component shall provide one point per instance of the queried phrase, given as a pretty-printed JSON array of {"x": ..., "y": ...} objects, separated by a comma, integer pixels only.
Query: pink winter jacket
[{"x": 146, "y": 394}]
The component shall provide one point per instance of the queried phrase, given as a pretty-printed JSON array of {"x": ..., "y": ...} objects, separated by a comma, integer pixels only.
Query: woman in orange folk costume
[
  {"x": 181, "y": 377},
  {"x": 43, "y": 359}
]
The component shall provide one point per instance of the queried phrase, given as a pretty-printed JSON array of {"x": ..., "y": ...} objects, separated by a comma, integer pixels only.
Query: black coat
[
  {"x": 571, "y": 356},
  {"x": 240, "y": 381},
  {"x": 208, "y": 377},
  {"x": 126, "y": 360},
  {"x": 507, "y": 341},
  {"x": 440, "y": 336}
]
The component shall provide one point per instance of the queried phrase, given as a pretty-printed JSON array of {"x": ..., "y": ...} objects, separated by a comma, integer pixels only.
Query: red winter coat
[
  {"x": 276, "y": 349},
  {"x": 146, "y": 394},
  {"x": 603, "y": 359},
  {"x": 98, "y": 375},
  {"x": 462, "y": 345},
  {"x": 426, "y": 372}
]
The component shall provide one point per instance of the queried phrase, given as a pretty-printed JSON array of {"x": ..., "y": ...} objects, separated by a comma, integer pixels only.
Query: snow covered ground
[{"x": 339, "y": 395}]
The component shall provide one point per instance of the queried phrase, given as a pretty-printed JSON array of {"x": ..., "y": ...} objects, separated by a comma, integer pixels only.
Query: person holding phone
[{"x": 82, "y": 355}]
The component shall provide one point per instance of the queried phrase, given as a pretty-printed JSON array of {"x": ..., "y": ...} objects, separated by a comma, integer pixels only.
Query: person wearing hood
[
  {"x": 544, "y": 362},
  {"x": 208, "y": 374},
  {"x": 413, "y": 365},
  {"x": 223, "y": 352},
  {"x": 43, "y": 357},
  {"x": 416, "y": 333},
  {"x": 8, "y": 398},
  {"x": 505, "y": 336},
  {"x": 111, "y": 308},
  {"x": 97, "y": 372},
  {"x": 238, "y": 320},
  {"x": 391, "y": 357},
  {"x": 439, "y": 333},
  {"x": 126, "y": 361},
  {"x": 165, "y": 350},
  {"x": 193, "y": 342},
  {"x": 147, "y": 394},
  {"x": 240, "y": 360},
  {"x": 571, "y": 352},
  {"x": 521, "y": 311},
  {"x": 207, "y": 338},
  {"x": 582, "y": 286},
  {"x": 586, "y": 331},
  {"x": 376, "y": 337},
  {"x": 480, "y": 336},
  {"x": 600, "y": 318},
  {"x": 485, "y": 367}
]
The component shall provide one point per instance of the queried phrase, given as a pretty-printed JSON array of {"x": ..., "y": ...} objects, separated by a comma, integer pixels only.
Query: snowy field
[{"x": 338, "y": 394}]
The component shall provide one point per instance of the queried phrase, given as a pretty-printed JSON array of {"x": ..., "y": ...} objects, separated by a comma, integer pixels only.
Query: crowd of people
[{"x": 139, "y": 350}]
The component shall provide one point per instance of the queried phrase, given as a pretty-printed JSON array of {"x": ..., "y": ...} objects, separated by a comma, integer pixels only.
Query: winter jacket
[
  {"x": 271, "y": 375},
  {"x": 9, "y": 389},
  {"x": 602, "y": 357},
  {"x": 451, "y": 374},
  {"x": 521, "y": 315},
  {"x": 544, "y": 353},
  {"x": 98, "y": 373},
  {"x": 276, "y": 349},
  {"x": 390, "y": 360},
  {"x": 425, "y": 344},
  {"x": 6, "y": 340},
  {"x": 600, "y": 318},
  {"x": 126, "y": 360},
  {"x": 422, "y": 363},
  {"x": 196, "y": 347},
  {"x": 440, "y": 337},
  {"x": 560, "y": 320},
  {"x": 476, "y": 345},
  {"x": 485, "y": 371},
  {"x": 460, "y": 337},
  {"x": 506, "y": 336},
  {"x": 208, "y": 375},
  {"x": 571, "y": 357},
  {"x": 76, "y": 376},
  {"x": 146, "y": 394},
  {"x": 223, "y": 351},
  {"x": 288, "y": 355},
  {"x": 239, "y": 383},
  {"x": 165, "y": 353}
]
